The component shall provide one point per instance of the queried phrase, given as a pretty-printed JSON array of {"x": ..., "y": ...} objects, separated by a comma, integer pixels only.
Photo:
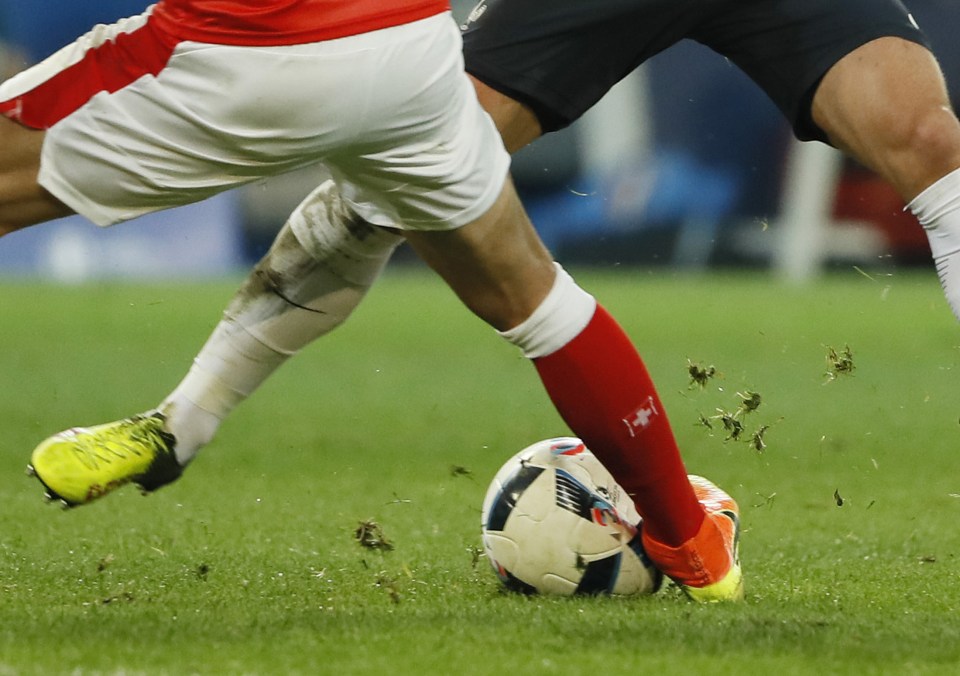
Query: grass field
[{"x": 249, "y": 564}]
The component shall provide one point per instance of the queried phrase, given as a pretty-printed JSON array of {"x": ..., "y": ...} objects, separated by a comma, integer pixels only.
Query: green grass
[{"x": 249, "y": 564}]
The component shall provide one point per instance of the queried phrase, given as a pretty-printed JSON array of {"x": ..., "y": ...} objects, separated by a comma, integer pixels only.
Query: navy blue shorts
[{"x": 561, "y": 56}]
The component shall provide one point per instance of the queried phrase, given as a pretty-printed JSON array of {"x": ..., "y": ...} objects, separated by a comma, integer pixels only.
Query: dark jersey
[{"x": 561, "y": 56}]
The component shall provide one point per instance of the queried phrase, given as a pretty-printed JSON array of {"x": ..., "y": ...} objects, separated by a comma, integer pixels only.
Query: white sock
[
  {"x": 559, "y": 318},
  {"x": 938, "y": 210},
  {"x": 319, "y": 268}
]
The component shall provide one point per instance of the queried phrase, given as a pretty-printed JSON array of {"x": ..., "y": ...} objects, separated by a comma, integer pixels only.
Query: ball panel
[
  {"x": 502, "y": 551},
  {"x": 600, "y": 576},
  {"x": 556, "y": 585},
  {"x": 510, "y": 490}
]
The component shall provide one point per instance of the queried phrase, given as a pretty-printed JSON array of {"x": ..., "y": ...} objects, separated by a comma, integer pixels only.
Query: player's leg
[
  {"x": 474, "y": 233},
  {"x": 599, "y": 384},
  {"x": 23, "y": 201},
  {"x": 321, "y": 265},
  {"x": 517, "y": 123},
  {"x": 886, "y": 104}
]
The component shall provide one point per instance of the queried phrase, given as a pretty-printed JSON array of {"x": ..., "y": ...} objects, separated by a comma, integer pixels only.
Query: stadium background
[
  {"x": 252, "y": 564},
  {"x": 685, "y": 164}
]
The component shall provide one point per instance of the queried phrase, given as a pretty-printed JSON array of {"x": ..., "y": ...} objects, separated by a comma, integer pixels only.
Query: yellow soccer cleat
[
  {"x": 706, "y": 567},
  {"x": 83, "y": 463}
]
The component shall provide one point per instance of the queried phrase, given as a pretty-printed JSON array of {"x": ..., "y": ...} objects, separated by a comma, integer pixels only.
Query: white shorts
[{"x": 390, "y": 113}]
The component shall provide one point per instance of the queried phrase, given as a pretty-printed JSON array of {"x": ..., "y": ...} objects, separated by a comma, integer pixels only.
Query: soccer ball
[{"x": 555, "y": 522}]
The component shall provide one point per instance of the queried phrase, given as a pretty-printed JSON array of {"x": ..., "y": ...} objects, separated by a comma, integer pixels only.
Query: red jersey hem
[{"x": 171, "y": 24}]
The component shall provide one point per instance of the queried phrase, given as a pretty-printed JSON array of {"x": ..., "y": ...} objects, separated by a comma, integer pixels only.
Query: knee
[
  {"x": 910, "y": 146},
  {"x": 935, "y": 132},
  {"x": 920, "y": 149},
  {"x": 326, "y": 230},
  {"x": 926, "y": 127}
]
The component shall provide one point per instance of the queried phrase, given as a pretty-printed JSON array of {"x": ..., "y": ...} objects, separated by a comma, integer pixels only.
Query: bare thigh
[
  {"x": 886, "y": 104},
  {"x": 23, "y": 201},
  {"x": 517, "y": 123}
]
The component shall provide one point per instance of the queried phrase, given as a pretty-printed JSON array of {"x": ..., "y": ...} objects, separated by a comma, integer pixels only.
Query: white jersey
[{"x": 139, "y": 120}]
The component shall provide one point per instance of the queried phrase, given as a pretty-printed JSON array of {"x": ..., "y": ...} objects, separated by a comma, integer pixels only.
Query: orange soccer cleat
[{"x": 706, "y": 567}]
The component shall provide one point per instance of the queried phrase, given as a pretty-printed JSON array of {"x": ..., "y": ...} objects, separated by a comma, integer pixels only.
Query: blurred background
[{"x": 685, "y": 164}]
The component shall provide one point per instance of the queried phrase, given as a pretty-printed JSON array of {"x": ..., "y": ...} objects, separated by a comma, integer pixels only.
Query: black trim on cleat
[{"x": 164, "y": 469}]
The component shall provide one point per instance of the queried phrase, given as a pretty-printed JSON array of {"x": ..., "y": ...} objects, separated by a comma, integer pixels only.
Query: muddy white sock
[{"x": 320, "y": 267}]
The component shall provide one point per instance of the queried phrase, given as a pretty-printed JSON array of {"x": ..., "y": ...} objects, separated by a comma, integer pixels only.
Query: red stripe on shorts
[{"x": 107, "y": 67}]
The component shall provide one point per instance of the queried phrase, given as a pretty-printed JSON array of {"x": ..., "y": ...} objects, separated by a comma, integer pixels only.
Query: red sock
[{"x": 602, "y": 389}]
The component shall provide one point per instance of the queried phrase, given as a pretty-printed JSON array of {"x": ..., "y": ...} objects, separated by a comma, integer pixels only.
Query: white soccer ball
[{"x": 555, "y": 522}]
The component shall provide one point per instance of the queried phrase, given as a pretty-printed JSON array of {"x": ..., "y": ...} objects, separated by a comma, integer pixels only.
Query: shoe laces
[{"x": 131, "y": 438}]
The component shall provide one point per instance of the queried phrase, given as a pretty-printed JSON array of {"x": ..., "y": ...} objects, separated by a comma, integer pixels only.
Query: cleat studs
[
  {"x": 48, "y": 497},
  {"x": 64, "y": 504},
  {"x": 31, "y": 471}
]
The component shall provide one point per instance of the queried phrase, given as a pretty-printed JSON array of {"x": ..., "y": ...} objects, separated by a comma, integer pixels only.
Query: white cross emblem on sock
[{"x": 640, "y": 419}]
